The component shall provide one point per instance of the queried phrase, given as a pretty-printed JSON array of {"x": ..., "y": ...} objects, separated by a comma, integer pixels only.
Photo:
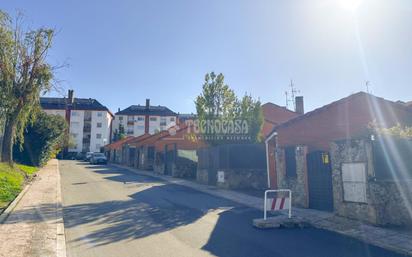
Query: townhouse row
[{"x": 332, "y": 158}]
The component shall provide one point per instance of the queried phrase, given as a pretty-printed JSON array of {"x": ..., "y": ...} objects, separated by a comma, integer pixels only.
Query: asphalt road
[{"x": 113, "y": 212}]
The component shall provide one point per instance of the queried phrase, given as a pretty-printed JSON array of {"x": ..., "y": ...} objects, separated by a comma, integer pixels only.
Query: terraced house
[{"x": 90, "y": 121}]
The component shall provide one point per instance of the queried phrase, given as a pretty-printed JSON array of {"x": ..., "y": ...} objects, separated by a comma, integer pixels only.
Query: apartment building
[
  {"x": 137, "y": 120},
  {"x": 90, "y": 121}
]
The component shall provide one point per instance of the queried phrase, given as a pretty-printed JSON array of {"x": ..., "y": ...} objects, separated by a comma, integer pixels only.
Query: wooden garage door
[{"x": 320, "y": 181}]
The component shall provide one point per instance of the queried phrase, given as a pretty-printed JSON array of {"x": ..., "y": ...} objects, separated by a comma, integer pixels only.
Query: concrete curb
[
  {"x": 10, "y": 208},
  {"x": 60, "y": 233}
]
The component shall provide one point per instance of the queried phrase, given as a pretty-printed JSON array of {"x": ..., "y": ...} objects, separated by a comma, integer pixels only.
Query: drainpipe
[{"x": 267, "y": 154}]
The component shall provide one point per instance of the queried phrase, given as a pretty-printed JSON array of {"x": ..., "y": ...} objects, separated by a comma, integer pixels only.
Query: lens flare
[{"x": 350, "y": 5}]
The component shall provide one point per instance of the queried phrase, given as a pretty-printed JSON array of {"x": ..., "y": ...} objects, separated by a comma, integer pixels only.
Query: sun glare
[{"x": 350, "y": 5}]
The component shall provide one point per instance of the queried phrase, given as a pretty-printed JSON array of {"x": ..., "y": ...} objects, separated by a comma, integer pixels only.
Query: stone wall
[
  {"x": 353, "y": 151},
  {"x": 184, "y": 168},
  {"x": 159, "y": 165},
  {"x": 297, "y": 184},
  {"x": 202, "y": 176},
  {"x": 385, "y": 200},
  {"x": 244, "y": 179}
]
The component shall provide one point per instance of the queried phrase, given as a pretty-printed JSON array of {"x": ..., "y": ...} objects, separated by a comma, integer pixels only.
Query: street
[{"x": 109, "y": 211}]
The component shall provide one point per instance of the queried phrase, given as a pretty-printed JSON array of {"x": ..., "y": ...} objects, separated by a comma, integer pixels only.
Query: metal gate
[
  {"x": 132, "y": 154},
  {"x": 320, "y": 181},
  {"x": 169, "y": 161}
]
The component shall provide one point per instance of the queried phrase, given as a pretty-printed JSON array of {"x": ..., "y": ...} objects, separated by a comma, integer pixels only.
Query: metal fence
[{"x": 392, "y": 158}]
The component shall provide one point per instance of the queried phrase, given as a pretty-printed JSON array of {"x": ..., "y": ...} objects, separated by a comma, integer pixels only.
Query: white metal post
[{"x": 290, "y": 204}]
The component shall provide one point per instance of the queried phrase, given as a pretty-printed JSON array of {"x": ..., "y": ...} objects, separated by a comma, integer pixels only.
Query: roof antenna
[
  {"x": 367, "y": 84},
  {"x": 293, "y": 93}
]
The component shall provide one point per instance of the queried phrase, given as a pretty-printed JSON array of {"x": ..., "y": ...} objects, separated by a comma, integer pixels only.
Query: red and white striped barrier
[{"x": 278, "y": 203}]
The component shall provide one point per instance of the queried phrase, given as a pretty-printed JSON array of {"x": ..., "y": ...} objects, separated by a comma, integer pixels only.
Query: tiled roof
[
  {"x": 338, "y": 102},
  {"x": 118, "y": 144},
  {"x": 142, "y": 110},
  {"x": 56, "y": 103}
]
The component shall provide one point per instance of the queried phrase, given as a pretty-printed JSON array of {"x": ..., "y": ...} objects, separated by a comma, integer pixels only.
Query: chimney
[
  {"x": 299, "y": 108},
  {"x": 71, "y": 96},
  {"x": 147, "y": 103}
]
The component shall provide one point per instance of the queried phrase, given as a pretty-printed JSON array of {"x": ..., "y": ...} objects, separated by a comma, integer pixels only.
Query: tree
[
  {"x": 119, "y": 134},
  {"x": 44, "y": 138},
  {"x": 218, "y": 102},
  {"x": 251, "y": 111},
  {"x": 24, "y": 75},
  {"x": 398, "y": 131}
]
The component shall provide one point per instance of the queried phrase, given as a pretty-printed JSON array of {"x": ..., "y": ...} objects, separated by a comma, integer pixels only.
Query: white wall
[
  {"x": 138, "y": 126},
  {"x": 76, "y": 128},
  {"x": 56, "y": 112},
  {"x": 103, "y": 131}
]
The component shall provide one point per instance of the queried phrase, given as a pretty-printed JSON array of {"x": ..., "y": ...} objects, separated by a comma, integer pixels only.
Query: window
[
  {"x": 140, "y": 128},
  {"x": 162, "y": 121},
  {"x": 99, "y": 124},
  {"x": 140, "y": 118},
  {"x": 354, "y": 182},
  {"x": 74, "y": 124},
  {"x": 290, "y": 159},
  {"x": 153, "y": 118},
  {"x": 99, "y": 114},
  {"x": 98, "y": 136},
  {"x": 172, "y": 119},
  {"x": 130, "y": 118},
  {"x": 130, "y": 130},
  {"x": 120, "y": 117},
  {"x": 75, "y": 113}
]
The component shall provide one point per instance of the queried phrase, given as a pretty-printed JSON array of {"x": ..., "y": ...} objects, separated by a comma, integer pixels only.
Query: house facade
[
  {"x": 326, "y": 157},
  {"x": 274, "y": 115},
  {"x": 137, "y": 120},
  {"x": 89, "y": 121}
]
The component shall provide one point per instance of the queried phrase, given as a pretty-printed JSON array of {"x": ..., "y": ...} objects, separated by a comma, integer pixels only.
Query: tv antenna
[
  {"x": 367, "y": 84},
  {"x": 293, "y": 93}
]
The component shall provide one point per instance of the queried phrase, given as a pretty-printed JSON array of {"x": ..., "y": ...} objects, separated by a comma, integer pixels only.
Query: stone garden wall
[
  {"x": 297, "y": 184},
  {"x": 386, "y": 201},
  {"x": 244, "y": 179}
]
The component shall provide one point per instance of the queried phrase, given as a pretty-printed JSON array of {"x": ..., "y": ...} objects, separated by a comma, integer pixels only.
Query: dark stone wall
[
  {"x": 388, "y": 202},
  {"x": 297, "y": 184},
  {"x": 244, "y": 179}
]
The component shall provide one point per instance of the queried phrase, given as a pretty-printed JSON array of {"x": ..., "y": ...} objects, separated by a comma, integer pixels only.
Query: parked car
[
  {"x": 98, "y": 158},
  {"x": 88, "y": 156},
  {"x": 80, "y": 156}
]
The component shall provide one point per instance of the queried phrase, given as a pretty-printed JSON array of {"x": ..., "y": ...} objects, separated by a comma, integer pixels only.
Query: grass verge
[{"x": 12, "y": 179}]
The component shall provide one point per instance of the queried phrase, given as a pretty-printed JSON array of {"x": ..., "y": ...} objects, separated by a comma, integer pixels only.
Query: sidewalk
[
  {"x": 390, "y": 239},
  {"x": 35, "y": 226}
]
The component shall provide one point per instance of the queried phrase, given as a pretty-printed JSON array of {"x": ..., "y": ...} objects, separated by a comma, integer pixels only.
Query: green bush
[{"x": 42, "y": 140}]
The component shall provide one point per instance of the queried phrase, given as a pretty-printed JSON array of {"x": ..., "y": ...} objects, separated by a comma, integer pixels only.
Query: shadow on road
[{"x": 164, "y": 207}]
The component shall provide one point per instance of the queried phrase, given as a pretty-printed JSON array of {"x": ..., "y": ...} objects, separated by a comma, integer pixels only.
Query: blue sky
[{"x": 124, "y": 51}]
